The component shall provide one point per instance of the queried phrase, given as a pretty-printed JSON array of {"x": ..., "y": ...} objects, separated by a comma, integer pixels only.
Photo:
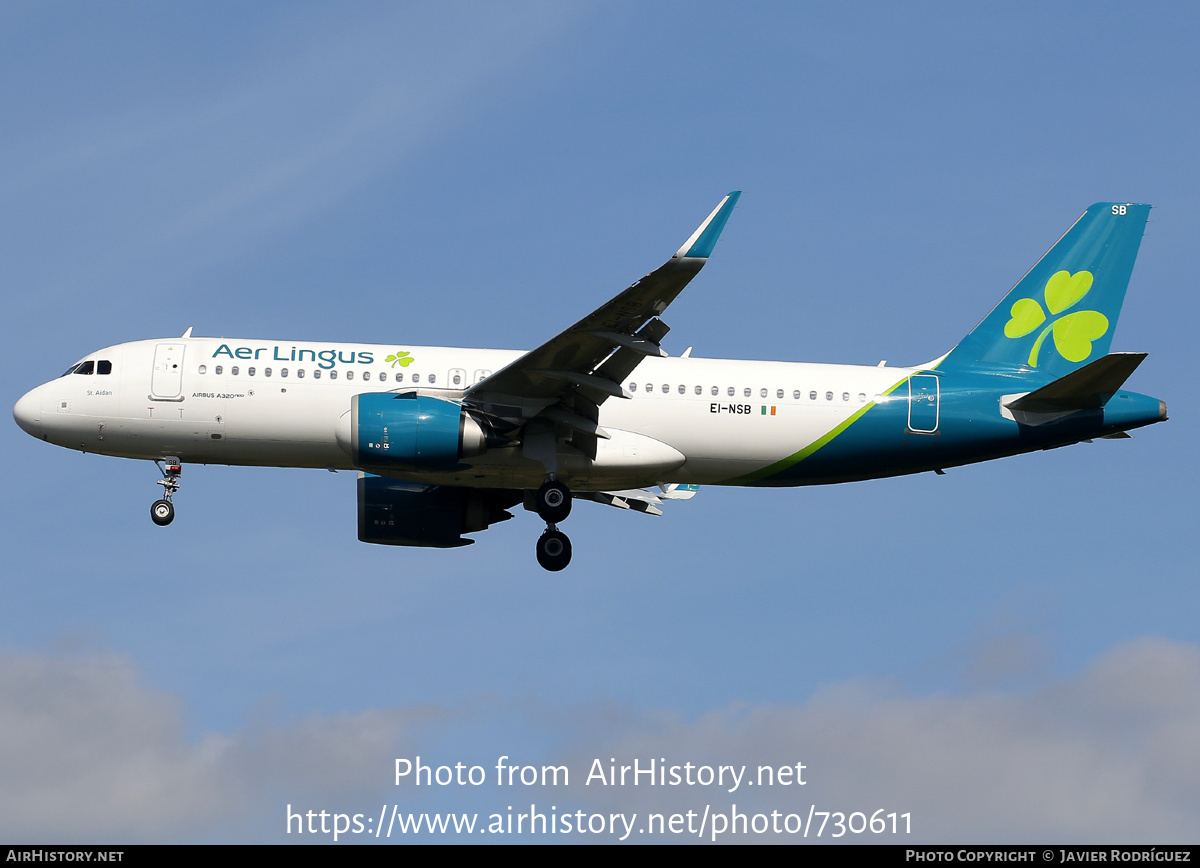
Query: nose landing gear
[
  {"x": 162, "y": 512},
  {"x": 553, "y": 504}
]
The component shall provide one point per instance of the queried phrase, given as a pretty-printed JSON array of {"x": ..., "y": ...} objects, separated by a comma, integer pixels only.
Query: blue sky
[{"x": 1009, "y": 652}]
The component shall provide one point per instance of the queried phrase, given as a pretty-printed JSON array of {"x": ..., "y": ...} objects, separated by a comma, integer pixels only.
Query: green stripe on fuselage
[{"x": 780, "y": 466}]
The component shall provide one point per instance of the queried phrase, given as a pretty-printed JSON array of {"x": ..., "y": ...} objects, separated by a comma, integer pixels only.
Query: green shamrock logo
[
  {"x": 1073, "y": 333},
  {"x": 401, "y": 358}
]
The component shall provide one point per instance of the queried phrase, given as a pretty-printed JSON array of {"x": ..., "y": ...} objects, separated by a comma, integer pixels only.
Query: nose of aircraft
[{"x": 28, "y": 413}]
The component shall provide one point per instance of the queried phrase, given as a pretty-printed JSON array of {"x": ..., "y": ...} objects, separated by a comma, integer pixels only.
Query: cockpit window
[{"x": 104, "y": 366}]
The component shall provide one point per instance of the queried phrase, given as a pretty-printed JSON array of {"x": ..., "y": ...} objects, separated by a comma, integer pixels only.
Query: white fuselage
[{"x": 273, "y": 403}]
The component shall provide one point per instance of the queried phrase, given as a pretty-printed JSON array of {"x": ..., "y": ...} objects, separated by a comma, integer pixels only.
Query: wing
[{"x": 566, "y": 379}]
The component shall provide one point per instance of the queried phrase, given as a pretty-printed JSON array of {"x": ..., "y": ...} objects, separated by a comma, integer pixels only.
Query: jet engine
[
  {"x": 393, "y": 512},
  {"x": 386, "y": 430}
]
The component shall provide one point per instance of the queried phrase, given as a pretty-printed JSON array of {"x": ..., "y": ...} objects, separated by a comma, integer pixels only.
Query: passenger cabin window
[
  {"x": 249, "y": 372},
  {"x": 366, "y": 375},
  {"x": 203, "y": 369},
  {"x": 300, "y": 373},
  {"x": 317, "y": 374},
  {"x": 218, "y": 370},
  {"x": 382, "y": 376},
  {"x": 234, "y": 370},
  {"x": 349, "y": 375},
  {"x": 716, "y": 391},
  {"x": 283, "y": 372},
  {"x": 333, "y": 375},
  {"x": 266, "y": 372},
  {"x": 433, "y": 378}
]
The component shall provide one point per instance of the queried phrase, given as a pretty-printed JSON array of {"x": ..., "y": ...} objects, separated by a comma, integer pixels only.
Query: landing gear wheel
[
  {"x": 553, "y": 502},
  {"x": 553, "y": 550},
  {"x": 162, "y": 512}
]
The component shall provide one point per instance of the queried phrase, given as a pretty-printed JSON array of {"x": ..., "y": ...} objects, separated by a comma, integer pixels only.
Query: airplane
[{"x": 447, "y": 440}]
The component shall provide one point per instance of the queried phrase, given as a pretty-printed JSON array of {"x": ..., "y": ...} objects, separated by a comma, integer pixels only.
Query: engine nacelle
[
  {"x": 397, "y": 513},
  {"x": 385, "y": 429}
]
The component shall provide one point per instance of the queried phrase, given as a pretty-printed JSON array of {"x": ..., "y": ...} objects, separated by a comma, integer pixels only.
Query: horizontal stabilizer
[
  {"x": 640, "y": 499},
  {"x": 678, "y": 491},
  {"x": 1088, "y": 388}
]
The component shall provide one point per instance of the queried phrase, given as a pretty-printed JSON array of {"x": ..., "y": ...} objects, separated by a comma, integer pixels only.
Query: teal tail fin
[{"x": 1062, "y": 313}]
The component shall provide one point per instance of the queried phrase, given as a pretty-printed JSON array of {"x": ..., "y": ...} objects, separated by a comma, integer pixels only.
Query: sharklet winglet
[{"x": 704, "y": 239}]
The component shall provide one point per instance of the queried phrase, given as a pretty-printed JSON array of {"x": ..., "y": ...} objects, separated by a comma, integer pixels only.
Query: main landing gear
[
  {"x": 553, "y": 501},
  {"x": 553, "y": 504},
  {"x": 553, "y": 549},
  {"x": 162, "y": 512}
]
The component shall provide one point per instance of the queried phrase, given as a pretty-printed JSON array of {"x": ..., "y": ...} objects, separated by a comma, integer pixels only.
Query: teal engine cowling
[{"x": 384, "y": 430}]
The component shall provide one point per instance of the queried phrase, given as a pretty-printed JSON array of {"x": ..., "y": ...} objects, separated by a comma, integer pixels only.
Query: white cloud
[
  {"x": 86, "y": 753},
  {"x": 1109, "y": 756}
]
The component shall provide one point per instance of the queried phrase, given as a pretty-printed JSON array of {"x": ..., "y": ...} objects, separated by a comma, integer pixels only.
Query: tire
[
  {"x": 162, "y": 512},
  {"x": 553, "y": 550},
  {"x": 553, "y": 502}
]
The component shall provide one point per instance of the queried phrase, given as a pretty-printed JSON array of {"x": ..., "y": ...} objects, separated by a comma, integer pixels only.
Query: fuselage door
[
  {"x": 457, "y": 378},
  {"x": 167, "y": 379},
  {"x": 923, "y": 394}
]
